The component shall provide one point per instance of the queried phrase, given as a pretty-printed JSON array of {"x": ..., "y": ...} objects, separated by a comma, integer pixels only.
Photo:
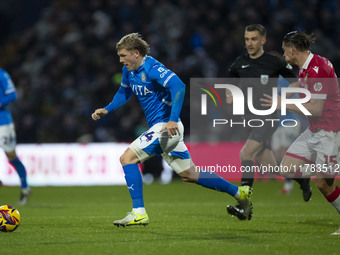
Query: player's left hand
[
  {"x": 172, "y": 128},
  {"x": 268, "y": 101}
]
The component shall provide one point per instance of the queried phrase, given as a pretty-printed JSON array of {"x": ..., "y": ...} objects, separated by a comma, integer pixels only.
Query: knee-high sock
[
  {"x": 248, "y": 175},
  {"x": 19, "y": 167},
  {"x": 213, "y": 181},
  {"x": 334, "y": 198},
  {"x": 134, "y": 183}
]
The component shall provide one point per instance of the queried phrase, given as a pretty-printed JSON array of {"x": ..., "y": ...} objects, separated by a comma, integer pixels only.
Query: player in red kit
[{"x": 315, "y": 151}]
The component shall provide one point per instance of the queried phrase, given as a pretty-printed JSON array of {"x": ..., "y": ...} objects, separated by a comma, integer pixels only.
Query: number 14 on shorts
[{"x": 147, "y": 135}]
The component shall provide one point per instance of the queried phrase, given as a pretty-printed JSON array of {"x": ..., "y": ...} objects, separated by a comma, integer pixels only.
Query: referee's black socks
[{"x": 248, "y": 173}]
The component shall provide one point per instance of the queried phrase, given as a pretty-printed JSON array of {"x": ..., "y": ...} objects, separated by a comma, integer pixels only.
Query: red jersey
[{"x": 318, "y": 76}]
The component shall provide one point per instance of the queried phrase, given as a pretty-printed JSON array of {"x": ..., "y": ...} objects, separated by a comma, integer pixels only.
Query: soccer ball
[{"x": 9, "y": 218}]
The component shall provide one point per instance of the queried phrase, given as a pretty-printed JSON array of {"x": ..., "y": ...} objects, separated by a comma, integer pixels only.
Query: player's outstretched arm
[
  {"x": 314, "y": 106},
  {"x": 122, "y": 96},
  {"x": 98, "y": 113}
]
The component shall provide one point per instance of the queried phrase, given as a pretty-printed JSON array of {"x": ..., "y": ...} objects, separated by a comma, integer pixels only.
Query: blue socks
[
  {"x": 213, "y": 181},
  {"x": 19, "y": 167},
  {"x": 134, "y": 183},
  {"x": 209, "y": 180}
]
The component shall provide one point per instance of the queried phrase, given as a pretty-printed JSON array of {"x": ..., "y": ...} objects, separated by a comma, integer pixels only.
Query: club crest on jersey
[
  {"x": 143, "y": 77},
  {"x": 264, "y": 79},
  {"x": 318, "y": 86}
]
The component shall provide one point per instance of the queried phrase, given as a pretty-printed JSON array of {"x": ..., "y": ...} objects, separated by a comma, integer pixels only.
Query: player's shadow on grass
[
  {"x": 195, "y": 235},
  {"x": 321, "y": 223}
]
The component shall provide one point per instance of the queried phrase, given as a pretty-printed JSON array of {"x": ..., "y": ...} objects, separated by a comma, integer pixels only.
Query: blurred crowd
[{"x": 65, "y": 65}]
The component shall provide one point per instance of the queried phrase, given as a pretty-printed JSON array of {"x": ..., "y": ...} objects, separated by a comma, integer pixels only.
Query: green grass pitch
[{"x": 184, "y": 219}]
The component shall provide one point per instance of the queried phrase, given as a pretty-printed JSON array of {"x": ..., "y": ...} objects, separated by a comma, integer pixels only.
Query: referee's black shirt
[{"x": 260, "y": 73}]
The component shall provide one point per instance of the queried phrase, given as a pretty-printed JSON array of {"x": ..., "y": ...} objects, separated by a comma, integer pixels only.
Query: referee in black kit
[{"x": 258, "y": 67}]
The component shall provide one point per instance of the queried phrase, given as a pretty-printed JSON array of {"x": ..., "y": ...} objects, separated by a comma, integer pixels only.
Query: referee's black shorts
[{"x": 264, "y": 134}]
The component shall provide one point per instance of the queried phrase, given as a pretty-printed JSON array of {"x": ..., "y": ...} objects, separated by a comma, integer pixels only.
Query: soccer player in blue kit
[
  {"x": 7, "y": 133},
  {"x": 161, "y": 95}
]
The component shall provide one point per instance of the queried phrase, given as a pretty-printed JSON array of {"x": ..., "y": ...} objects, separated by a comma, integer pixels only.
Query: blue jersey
[
  {"x": 7, "y": 95},
  {"x": 151, "y": 84}
]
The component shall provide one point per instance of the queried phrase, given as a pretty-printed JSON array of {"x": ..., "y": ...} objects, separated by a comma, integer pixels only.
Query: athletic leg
[
  {"x": 134, "y": 182},
  {"x": 212, "y": 181},
  {"x": 292, "y": 167},
  {"x": 8, "y": 144},
  {"x": 247, "y": 155}
]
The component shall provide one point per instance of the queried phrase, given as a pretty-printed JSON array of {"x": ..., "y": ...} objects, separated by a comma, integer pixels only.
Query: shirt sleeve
[
  {"x": 8, "y": 88},
  {"x": 123, "y": 94},
  {"x": 170, "y": 80},
  {"x": 286, "y": 70},
  {"x": 177, "y": 90},
  {"x": 161, "y": 74},
  {"x": 232, "y": 72},
  {"x": 319, "y": 87}
]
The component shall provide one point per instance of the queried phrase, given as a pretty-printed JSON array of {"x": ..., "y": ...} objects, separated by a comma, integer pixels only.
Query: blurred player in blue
[
  {"x": 161, "y": 95},
  {"x": 7, "y": 133}
]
